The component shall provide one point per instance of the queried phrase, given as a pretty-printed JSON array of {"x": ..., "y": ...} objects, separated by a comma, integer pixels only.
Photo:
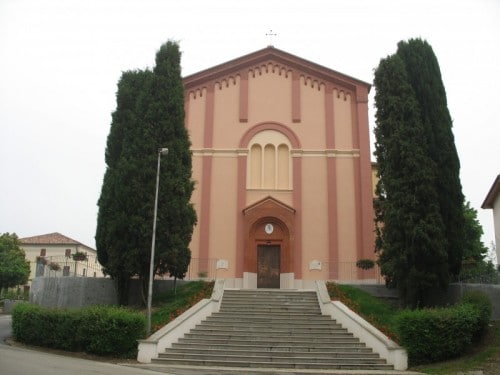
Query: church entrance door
[{"x": 268, "y": 266}]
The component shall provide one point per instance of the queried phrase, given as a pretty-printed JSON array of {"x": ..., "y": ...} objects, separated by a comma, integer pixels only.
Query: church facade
[{"x": 281, "y": 162}]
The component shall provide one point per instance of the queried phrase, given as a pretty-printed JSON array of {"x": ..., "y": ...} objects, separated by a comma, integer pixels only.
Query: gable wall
[{"x": 324, "y": 117}]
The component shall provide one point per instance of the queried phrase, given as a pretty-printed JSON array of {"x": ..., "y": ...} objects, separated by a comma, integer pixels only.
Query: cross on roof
[{"x": 270, "y": 34}]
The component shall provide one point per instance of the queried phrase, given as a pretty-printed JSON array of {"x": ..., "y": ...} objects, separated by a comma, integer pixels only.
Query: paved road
[
  {"x": 19, "y": 361},
  {"x": 5, "y": 328}
]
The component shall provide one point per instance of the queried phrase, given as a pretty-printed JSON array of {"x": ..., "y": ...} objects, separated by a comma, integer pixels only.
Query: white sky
[{"x": 60, "y": 61}]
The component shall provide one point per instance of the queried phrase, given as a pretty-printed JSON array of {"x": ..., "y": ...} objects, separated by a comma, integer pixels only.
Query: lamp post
[{"x": 161, "y": 151}]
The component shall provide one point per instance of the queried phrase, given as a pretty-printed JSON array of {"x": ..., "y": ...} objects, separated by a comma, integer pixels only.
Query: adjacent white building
[
  {"x": 46, "y": 251},
  {"x": 493, "y": 201}
]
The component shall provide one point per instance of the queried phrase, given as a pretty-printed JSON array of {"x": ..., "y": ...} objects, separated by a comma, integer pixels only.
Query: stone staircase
[{"x": 271, "y": 329}]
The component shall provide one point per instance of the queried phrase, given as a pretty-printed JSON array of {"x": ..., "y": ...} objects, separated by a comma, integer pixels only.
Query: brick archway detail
[{"x": 256, "y": 216}]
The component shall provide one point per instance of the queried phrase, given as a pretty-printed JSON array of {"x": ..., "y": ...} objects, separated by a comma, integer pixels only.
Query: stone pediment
[
  {"x": 269, "y": 204},
  {"x": 275, "y": 60}
]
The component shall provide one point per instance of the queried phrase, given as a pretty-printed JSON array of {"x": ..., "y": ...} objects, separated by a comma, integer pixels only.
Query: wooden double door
[{"x": 268, "y": 266}]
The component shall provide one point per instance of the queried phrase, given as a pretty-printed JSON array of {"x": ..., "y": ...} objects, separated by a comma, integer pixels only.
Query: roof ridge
[{"x": 50, "y": 238}]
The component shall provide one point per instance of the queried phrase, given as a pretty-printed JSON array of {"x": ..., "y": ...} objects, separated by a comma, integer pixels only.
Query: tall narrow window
[
  {"x": 283, "y": 167},
  {"x": 269, "y": 161},
  {"x": 256, "y": 167},
  {"x": 269, "y": 167}
]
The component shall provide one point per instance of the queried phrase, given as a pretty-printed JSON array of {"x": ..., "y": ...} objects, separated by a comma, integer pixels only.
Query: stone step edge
[{"x": 246, "y": 364}]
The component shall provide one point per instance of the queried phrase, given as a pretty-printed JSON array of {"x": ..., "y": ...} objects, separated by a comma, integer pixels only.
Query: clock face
[{"x": 269, "y": 228}]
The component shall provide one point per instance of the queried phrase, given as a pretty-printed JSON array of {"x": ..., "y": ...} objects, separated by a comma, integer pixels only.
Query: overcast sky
[{"x": 60, "y": 61}]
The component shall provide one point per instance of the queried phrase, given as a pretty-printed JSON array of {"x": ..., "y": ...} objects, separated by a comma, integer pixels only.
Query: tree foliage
[
  {"x": 14, "y": 268},
  {"x": 474, "y": 248},
  {"x": 424, "y": 75},
  {"x": 419, "y": 215},
  {"x": 149, "y": 116},
  {"x": 476, "y": 267},
  {"x": 410, "y": 240}
]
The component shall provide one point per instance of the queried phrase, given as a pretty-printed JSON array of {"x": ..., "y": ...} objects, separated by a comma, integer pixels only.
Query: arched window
[{"x": 269, "y": 161}]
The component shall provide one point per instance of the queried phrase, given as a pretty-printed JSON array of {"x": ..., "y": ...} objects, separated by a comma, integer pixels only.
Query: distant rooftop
[{"x": 50, "y": 239}]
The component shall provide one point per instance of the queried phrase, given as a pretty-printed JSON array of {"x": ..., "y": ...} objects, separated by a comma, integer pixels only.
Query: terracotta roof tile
[{"x": 49, "y": 239}]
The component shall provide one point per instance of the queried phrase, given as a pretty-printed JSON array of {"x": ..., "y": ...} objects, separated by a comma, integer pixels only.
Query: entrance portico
[{"x": 269, "y": 248}]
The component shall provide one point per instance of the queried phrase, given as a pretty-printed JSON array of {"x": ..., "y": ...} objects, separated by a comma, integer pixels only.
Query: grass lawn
[{"x": 171, "y": 304}]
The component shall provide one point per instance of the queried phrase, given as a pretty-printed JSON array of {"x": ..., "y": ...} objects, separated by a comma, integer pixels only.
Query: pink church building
[{"x": 284, "y": 183}]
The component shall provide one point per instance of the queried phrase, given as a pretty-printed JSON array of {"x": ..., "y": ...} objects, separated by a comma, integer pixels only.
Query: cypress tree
[
  {"x": 424, "y": 75},
  {"x": 176, "y": 215},
  {"x": 149, "y": 116},
  {"x": 410, "y": 239}
]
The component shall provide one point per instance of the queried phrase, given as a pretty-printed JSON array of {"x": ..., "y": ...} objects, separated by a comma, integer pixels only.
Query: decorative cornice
[
  {"x": 268, "y": 201},
  {"x": 273, "y": 60},
  {"x": 234, "y": 152}
]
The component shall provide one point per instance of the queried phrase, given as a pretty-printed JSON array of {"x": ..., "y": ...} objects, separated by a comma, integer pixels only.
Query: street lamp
[{"x": 161, "y": 151}]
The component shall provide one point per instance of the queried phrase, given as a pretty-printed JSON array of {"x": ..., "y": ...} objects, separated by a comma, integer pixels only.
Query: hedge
[
  {"x": 483, "y": 304},
  {"x": 432, "y": 335},
  {"x": 101, "y": 330}
]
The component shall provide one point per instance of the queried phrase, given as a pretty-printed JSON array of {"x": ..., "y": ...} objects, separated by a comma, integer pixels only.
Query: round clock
[{"x": 269, "y": 228}]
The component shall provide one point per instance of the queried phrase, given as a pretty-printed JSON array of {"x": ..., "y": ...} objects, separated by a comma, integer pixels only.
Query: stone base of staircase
[
  {"x": 213, "y": 370},
  {"x": 261, "y": 329}
]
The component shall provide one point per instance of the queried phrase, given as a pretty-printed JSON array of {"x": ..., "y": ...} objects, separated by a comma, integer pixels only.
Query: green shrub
[
  {"x": 111, "y": 331},
  {"x": 101, "y": 330},
  {"x": 432, "y": 335},
  {"x": 481, "y": 301}
]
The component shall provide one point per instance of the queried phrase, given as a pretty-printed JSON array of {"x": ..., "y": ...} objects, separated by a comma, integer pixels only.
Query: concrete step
[
  {"x": 271, "y": 329},
  {"x": 242, "y": 339},
  {"x": 228, "y": 362},
  {"x": 271, "y": 317},
  {"x": 273, "y": 357},
  {"x": 303, "y": 309},
  {"x": 307, "y": 323},
  {"x": 275, "y": 318},
  {"x": 353, "y": 347},
  {"x": 244, "y": 351},
  {"x": 265, "y": 326}
]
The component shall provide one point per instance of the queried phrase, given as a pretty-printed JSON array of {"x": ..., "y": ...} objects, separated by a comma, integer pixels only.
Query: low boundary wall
[
  {"x": 75, "y": 292},
  {"x": 394, "y": 354}
]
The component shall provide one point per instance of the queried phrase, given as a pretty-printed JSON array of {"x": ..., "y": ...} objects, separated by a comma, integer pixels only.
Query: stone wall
[{"x": 75, "y": 292}]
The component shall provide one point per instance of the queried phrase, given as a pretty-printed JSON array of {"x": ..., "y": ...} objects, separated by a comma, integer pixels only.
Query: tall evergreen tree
[
  {"x": 410, "y": 241},
  {"x": 149, "y": 116},
  {"x": 424, "y": 75}
]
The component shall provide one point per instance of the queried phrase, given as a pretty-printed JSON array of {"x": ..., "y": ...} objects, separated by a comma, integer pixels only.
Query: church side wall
[
  {"x": 197, "y": 161},
  {"x": 347, "y": 214},
  {"x": 343, "y": 126},
  {"x": 315, "y": 217},
  {"x": 195, "y": 114},
  {"x": 223, "y": 216}
]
